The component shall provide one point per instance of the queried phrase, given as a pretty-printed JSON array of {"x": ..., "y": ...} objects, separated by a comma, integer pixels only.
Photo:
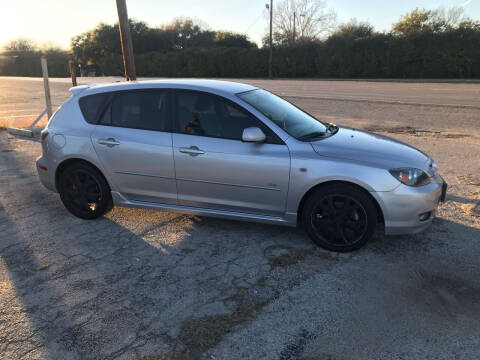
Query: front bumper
[{"x": 408, "y": 210}]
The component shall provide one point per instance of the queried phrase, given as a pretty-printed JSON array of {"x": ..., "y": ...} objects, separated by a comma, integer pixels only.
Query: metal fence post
[{"x": 46, "y": 85}]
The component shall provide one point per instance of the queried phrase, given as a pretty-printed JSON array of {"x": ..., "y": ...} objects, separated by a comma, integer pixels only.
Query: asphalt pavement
[{"x": 142, "y": 284}]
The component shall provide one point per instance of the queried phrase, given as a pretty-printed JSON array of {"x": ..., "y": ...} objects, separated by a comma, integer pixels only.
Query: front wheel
[
  {"x": 340, "y": 217},
  {"x": 84, "y": 191}
]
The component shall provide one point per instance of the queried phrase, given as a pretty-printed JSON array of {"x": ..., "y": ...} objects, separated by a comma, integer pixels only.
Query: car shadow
[
  {"x": 462, "y": 200},
  {"x": 123, "y": 284},
  {"x": 439, "y": 236},
  {"x": 128, "y": 284}
]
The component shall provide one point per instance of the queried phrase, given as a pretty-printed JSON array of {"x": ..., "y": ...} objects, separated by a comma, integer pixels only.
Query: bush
[
  {"x": 28, "y": 64},
  {"x": 346, "y": 54}
]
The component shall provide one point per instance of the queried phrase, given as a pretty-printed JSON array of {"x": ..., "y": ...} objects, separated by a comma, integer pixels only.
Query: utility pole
[
  {"x": 295, "y": 26},
  {"x": 270, "y": 55},
  {"x": 294, "y": 15},
  {"x": 71, "y": 65},
  {"x": 126, "y": 40}
]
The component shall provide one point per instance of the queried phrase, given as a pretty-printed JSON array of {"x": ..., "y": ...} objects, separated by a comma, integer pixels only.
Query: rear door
[
  {"x": 134, "y": 143},
  {"x": 215, "y": 169}
]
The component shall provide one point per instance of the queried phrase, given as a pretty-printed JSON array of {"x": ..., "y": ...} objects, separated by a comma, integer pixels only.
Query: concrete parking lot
[{"x": 141, "y": 284}]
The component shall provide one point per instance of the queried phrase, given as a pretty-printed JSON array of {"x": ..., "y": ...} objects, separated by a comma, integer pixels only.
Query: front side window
[
  {"x": 204, "y": 114},
  {"x": 287, "y": 116},
  {"x": 146, "y": 110},
  {"x": 197, "y": 113}
]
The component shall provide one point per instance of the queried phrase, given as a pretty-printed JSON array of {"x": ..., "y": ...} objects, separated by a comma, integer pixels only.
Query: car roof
[{"x": 215, "y": 86}]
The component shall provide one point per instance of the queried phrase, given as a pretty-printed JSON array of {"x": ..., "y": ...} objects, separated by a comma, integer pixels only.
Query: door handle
[
  {"x": 192, "y": 151},
  {"x": 110, "y": 142}
]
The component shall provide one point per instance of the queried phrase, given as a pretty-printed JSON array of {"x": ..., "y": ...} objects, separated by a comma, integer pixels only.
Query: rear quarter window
[{"x": 92, "y": 106}]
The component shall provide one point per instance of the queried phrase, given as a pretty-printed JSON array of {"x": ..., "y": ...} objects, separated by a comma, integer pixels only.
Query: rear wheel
[
  {"x": 84, "y": 191},
  {"x": 340, "y": 217}
]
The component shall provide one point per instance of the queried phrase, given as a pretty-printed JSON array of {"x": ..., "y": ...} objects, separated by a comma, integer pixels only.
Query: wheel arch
[
  {"x": 70, "y": 161},
  {"x": 381, "y": 217}
]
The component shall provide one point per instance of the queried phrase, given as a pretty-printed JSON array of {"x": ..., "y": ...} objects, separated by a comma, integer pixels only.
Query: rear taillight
[{"x": 43, "y": 135}]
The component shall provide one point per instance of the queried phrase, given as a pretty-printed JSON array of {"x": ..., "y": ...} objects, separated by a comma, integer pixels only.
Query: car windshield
[{"x": 294, "y": 121}]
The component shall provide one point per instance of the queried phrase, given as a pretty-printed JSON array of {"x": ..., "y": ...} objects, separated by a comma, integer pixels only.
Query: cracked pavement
[{"x": 141, "y": 284}]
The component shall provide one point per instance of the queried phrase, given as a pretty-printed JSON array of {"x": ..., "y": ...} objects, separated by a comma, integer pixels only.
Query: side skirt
[{"x": 288, "y": 220}]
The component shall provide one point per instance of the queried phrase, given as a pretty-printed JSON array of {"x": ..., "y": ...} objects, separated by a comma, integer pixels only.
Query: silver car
[{"x": 234, "y": 151}]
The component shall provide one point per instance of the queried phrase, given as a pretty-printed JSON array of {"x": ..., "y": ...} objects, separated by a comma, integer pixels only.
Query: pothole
[
  {"x": 283, "y": 256},
  {"x": 472, "y": 209},
  {"x": 468, "y": 179},
  {"x": 408, "y": 130},
  {"x": 476, "y": 210},
  {"x": 198, "y": 335}
]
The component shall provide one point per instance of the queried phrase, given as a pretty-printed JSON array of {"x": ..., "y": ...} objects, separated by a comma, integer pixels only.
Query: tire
[
  {"x": 84, "y": 191},
  {"x": 340, "y": 217}
]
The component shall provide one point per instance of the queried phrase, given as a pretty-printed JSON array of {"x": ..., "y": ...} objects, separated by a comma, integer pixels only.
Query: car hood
[{"x": 363, "y": 146}]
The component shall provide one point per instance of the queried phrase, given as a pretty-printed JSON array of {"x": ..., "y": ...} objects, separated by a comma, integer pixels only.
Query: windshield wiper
[{"x": 312, "y": 135}]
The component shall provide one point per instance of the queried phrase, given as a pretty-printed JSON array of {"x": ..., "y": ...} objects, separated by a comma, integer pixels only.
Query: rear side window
[
  {"x": 146, "y": 110},
  {"x": 92, "y": 106}
]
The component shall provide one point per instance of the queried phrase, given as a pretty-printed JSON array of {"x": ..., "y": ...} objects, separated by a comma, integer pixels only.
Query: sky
[{"x": 57, "y": 21}]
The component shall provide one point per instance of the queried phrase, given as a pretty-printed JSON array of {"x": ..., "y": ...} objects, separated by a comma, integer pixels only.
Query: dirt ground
[{"x": 142, "y": 284}]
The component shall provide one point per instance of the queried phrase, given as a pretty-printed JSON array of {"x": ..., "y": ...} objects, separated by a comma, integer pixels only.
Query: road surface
[
  {"x": 435, "y": 106},
  {"x": 141, "y": 284}
]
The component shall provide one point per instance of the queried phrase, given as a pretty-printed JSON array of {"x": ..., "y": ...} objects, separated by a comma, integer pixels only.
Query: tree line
[{"x": 422, "y": 44}]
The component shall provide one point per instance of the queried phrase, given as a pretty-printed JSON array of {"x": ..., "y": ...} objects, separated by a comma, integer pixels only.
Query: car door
[
  {"x": 134, "y": 143},
  {"x": 215, "y": 169}
]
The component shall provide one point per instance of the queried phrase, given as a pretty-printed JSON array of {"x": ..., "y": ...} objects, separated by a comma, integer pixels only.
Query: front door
[
  {"x": 215, "y": 169},
  {"x": 134, "y": 143}
]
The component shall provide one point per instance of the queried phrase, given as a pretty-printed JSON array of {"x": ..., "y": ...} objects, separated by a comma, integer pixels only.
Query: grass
[{"x": 20, "y": 122}]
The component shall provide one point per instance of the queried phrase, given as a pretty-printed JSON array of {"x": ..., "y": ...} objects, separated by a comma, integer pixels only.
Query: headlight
[{"x": 410, "y": 176}]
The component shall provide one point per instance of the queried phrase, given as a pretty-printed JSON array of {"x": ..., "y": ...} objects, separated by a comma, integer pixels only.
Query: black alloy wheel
[
  {"x": 84, "y": 191},
  {"x": 340, "y": 217}
]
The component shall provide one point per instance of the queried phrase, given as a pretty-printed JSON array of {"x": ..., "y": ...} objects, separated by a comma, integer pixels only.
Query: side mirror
[{"x": 253, "y": 134}]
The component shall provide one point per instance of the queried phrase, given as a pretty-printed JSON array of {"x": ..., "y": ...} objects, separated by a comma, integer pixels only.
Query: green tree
[
  {"x": 355, "y": 30},
  {"x": 430, "y": 21},
  {"x": 230, "y": 39},
  {"x": 185, "y": 33}
]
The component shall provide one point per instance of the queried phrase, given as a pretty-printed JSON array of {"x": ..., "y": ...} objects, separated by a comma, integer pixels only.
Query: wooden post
[
  {"x": 270, "y": 54},
  {"x": 294, "y": 27},
  {"x": 46, "y": 85},
  {"x": 126, "y": 40},
  {"x": 73, "y": 74}
]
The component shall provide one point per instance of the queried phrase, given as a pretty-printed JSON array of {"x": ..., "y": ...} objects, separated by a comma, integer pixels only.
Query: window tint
[
  {"x": 139, "y": 110},
  {"x": 236, "y": 120},
  {"x": 203, "y": 114},
  {"x": 197, "y": 114},
  {"x": 92, "y": 105},
  {"x": 106, "y": 117}
]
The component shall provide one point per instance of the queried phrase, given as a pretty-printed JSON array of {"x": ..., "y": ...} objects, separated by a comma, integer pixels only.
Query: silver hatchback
[{"x": 234, "y": 151}]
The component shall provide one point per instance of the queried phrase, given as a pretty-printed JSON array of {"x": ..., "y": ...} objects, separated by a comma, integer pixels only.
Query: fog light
[{"x": 424, "y": 216}]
